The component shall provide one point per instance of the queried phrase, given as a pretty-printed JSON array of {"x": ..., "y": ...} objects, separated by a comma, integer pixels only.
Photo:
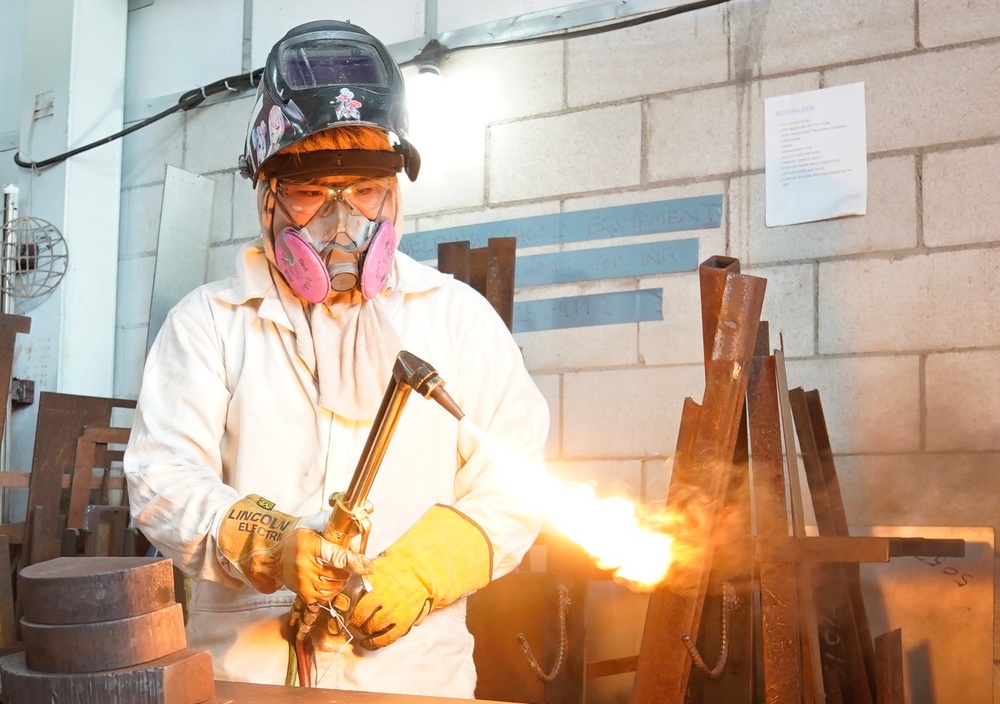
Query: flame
[{"x": 611, "y": 529}]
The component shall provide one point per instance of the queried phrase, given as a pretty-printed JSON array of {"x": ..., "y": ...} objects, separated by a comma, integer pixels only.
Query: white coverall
[{"x": 228, "y": 409}]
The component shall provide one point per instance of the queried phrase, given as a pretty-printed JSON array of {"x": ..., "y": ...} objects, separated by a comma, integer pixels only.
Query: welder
[{"x": 260, "y": 390}]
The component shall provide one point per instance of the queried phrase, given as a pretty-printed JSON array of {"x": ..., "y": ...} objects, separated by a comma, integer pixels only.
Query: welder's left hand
[
  {"x": 443, "y": 557},
  {"x": 272, "y": 549}
]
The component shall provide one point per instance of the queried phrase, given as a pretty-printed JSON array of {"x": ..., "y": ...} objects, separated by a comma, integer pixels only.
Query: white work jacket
[{"x": 227, "y": 409}]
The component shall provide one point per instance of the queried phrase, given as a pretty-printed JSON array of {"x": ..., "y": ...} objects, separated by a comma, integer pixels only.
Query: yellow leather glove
[
  {"x": 272, "y": 549},
  {"x": 443, "y": 557}
]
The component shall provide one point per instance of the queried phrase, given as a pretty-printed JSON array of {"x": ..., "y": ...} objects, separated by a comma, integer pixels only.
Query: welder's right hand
[
  {"x": 272, "y": 549},
  {"x": 314, "y": 568}
]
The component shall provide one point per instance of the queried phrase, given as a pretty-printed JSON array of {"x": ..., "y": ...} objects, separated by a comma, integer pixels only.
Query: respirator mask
[{"x": 331, "y": 235}]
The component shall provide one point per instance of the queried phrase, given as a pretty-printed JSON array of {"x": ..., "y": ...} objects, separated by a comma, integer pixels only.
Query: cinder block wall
[{"x": 893, "y": 316}]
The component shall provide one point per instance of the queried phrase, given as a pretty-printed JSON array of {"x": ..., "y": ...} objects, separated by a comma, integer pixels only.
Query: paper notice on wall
[{"x": 815, "y": 155}]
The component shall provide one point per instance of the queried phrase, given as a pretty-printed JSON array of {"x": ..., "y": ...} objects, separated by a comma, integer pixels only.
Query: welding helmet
[{"x": 323, "y": 75}]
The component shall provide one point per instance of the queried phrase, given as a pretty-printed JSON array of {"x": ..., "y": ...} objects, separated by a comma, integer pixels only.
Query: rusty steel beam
[
  {"x": 889, "y": 687},
  {"x": 780, "y": 634},
  {"x": 812, "y": 669},
  {"x": 731, "y": 304},
  {"x": 847, "y": 649},
  {"x": 489, "y": 270},
  {"x": 726, "y": 671},
  {"x": 853, "y": 549}
]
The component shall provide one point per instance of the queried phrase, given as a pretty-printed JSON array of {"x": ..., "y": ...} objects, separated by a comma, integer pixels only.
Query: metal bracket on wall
[{"x": 22, "y": 392}]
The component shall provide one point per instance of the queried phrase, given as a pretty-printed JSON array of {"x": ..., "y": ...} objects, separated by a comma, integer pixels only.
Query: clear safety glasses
[{"x": 304, "y": 201}]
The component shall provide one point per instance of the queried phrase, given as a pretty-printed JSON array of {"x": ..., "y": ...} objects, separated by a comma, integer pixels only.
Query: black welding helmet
[{"x": 323, "y": 75}]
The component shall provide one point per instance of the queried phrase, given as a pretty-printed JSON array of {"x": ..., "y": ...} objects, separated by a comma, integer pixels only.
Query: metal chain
[
  {"x": 728, "y": 603},
  {"x": 564, "y": 602}
]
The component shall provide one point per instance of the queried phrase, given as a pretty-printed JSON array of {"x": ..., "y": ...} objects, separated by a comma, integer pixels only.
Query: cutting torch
[{"x": 349, "y": 523}]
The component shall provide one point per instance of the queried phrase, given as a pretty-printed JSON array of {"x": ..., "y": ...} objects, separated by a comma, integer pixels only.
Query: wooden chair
[{"x": 62, "y": 420}]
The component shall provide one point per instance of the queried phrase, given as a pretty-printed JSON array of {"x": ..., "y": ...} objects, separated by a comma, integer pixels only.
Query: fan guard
[{"x": 33, "y": 259}]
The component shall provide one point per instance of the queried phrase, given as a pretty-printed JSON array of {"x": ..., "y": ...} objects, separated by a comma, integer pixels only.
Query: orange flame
[{"x": 610, "y": 529}]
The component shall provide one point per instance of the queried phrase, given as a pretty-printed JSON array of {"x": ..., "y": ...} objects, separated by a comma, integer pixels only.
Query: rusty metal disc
[
  {"x": 92, "y": 647},
  {"x": 69, "y": 590},
  {"x": 184, "y": 677}
]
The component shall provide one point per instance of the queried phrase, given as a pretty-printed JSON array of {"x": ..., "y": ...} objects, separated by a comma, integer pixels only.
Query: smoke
[{"x": 708, "y": 532}]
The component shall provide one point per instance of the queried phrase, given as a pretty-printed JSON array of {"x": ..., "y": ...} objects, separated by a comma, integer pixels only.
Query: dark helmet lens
[{"x": 320, "y": 63}]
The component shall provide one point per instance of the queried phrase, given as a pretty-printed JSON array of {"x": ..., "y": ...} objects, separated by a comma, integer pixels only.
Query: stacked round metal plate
[{"x": 100, "y": 629}]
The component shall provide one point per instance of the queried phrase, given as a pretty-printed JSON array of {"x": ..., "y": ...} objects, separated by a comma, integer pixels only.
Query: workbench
[{"x": 242, "y": 693}]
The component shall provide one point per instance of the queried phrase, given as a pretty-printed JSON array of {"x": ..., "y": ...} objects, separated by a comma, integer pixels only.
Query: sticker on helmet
[
  {"x": 276, "y": 125},
  {"x": 348, "y": 107},
  {"x": 259, "y": 138}
]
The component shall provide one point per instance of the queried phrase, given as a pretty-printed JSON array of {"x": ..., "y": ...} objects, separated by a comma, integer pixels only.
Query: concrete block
[
  {"x": 222, "y": 207},
  {"x": 693, "y": 134},
  {"x": 550, "y": 385},
  {"x": 139, "y": 226},
  {"x": 440, "y": 221},
  {"x": 789, "y": 307},
  {"x": 943, "y": 23},
  {"x": 960, "y": 203},
  {"x": 215, "y": 134},
  {"x": 646, "y": 195},
  {"x": 583, "y": 347},
  {"x": 452, "y": 172},
  {"x": 626, "y": 413},
  {"x": 677, "y": 338},
  {"x": 504, "y": 83},
  {"x": 609, "y": 478},
  {"x": 579, "y": 348},
  {"x": 926, "y": 99},
  {"x": 147, "y": 151},
  {"x": 243, "y": 202},
  {"x": 963, "y": 407},
  {"x": 222, "y": 261},
  {"x": 871, "y": 404},
  {"x": 135, "y": 291},
  {"x": 891, "y": 222},
  {"x": 678, "y": 52},
  {"x": 590, "y": 150},
  {"x": 939, "y": 301},
  {"x": 656, "y": 482},
  {"x": 130, "y": 356},
  {"x": 787, "y": 36},
  {"x": 944, "y": 489}
]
